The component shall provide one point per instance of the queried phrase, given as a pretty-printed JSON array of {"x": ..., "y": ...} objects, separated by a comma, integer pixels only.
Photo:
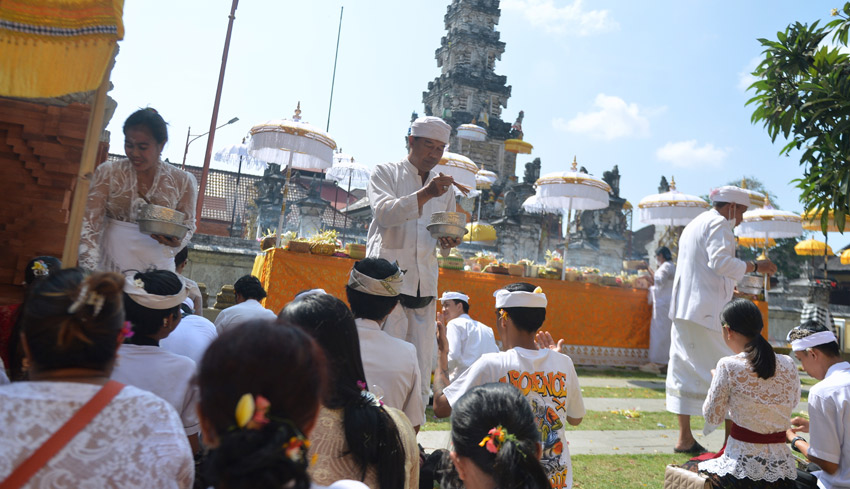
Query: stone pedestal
[{"x": 225, "y": 298}]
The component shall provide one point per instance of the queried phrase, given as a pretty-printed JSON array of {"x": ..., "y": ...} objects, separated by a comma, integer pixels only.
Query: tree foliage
[{"x": 803, "y": 94}]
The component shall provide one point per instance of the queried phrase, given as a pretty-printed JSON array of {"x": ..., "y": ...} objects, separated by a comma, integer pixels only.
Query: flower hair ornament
[
  {"x": 39, "y": 269},
  {"x": 252, "y": 414},
  {"x": 496, "y": 438},
  {"x": 87, "y": 297},
  {"x": 367, "y": 396}
]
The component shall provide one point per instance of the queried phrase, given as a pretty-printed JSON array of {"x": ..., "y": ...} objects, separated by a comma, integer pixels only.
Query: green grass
[
  {"x": 433, "y": 423},
  {"x": 623, "y": 392},
  {"x": 617, "y": 372},
  {"x": 808, "y": 381},
  {"x": 609, "y": 421},
  {"x": 622, "y": 471}
]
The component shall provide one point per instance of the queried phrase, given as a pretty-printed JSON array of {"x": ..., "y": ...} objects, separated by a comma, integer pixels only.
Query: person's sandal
[{"x": 695, "y": 449}]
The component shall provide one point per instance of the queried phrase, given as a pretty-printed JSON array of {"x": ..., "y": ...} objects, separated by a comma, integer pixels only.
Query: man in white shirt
[
  {"x": 192, "y": 336},
  {"x": 705, "y": 278},
  {"x": 249, "y": 293},
  {"x": 829, "y": 407},
  {"x": 468, "y": 339},
  {"x": 403, "y": 196},
  {"x": 392, "y": 371},
  {"x": 546, "y": 377}
]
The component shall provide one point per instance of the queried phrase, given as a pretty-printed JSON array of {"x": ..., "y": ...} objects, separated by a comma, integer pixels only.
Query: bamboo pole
[{"x": 84, "y": 173}]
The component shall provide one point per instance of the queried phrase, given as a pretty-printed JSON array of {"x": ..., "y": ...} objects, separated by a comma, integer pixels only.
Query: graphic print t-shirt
[{"x": 548, "y": 380}]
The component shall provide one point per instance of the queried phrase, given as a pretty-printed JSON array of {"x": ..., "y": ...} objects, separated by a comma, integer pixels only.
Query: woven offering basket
[
  {"x": 326, "y": 249},
  {"x": 268, "y": 243},
  {"x": 298, "y": 246}
]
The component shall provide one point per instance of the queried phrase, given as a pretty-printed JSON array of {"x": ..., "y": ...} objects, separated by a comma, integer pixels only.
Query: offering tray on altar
[
  {"x": 157, "y": 219},
  {"x": 447, "y": 225}
]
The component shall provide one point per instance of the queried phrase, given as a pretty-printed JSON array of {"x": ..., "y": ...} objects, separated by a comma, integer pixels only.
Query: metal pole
[
  {"x": 567, "y": 242},
  {"x": 347, "y": 203},
  {"x": 235, "y": 196},
  {"x": 186, "y": 149},
  {"x": 333, "y": 78},
  {"x": 336, "y": 201},
  {"x": 208, "y": 155}
]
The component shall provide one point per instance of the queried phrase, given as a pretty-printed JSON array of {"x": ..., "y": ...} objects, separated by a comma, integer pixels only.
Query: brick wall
[{"x": 40, "y": 151}]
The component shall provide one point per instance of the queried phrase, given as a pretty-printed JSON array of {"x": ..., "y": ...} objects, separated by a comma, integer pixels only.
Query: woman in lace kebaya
[
  {"x": 356, "y": 436},
  {"x": 261, "y": 385},
  {"x": 71, "y": 328},
  {"x": 758, "y": 390},
  {"x": 111, "y": 240}
]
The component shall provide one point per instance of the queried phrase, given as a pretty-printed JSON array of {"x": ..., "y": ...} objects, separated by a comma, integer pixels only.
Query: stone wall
[
  {"x": 216, "y": 261},
  {"x": 608, "y": 258}
]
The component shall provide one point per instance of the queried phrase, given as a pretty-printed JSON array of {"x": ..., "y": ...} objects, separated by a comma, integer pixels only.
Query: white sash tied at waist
[{"x": 124, "y": 247}]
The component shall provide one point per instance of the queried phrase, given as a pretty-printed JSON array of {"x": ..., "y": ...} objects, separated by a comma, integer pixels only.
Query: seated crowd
[{"x": 117, "y": 382}]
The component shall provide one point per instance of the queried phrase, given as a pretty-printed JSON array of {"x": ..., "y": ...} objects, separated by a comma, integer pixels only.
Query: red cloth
[
  {"x": 742, "y": 434},
  {"x": 8, "y": 316}
]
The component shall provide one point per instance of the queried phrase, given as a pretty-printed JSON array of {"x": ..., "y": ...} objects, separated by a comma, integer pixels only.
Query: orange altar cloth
[{"x": 600, "y": 325}]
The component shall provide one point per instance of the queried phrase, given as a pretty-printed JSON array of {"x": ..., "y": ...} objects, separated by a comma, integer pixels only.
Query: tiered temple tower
[{"x": 468, "y": 90}]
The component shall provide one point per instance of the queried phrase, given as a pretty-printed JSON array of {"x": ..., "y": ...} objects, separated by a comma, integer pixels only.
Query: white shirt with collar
[
  {"x": 390, "y": 363},
  {"x": 707, "y": 270},
  {"x": 398, "y": 230},
  {"x": 191, "y": 337},
  {"x": 468, "y": 340},
  {"x": 829, "y": 425},
  {"x": 241, "y": 313}
]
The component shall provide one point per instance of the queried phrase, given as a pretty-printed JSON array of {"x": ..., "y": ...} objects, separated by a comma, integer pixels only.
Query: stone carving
[
  {"x": 270, "y": 188},
  {"x": 532, "y": 171},
  {"x": 663, "y": 186},
  {"x": 612, "y": 178},
  {"x": 516, "y": 129}
]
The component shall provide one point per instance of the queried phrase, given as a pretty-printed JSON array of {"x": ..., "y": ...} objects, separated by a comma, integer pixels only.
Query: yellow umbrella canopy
[
  {"x": 480, "y": 231},
  {"x": 747, "y": 242},
  {"x": 812, "y": 220},
  {"x": 812, "y": 247},
  {"x": 845, "y": 257}
]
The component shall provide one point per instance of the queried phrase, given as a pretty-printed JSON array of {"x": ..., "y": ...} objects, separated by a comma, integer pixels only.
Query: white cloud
[
  {"x": 686, "y": 154},
  {"x": 745, "y": 77},
  {"x": 614, "y": 119},
  {"x": 570, "y": 18}
]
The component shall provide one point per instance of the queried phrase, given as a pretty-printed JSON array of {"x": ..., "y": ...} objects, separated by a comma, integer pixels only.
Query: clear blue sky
[{"x": 657, "y": 88}]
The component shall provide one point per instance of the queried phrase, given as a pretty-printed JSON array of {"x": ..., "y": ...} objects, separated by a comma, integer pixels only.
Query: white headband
[
  {"x": 301, "y": 295},
  {"x": 432, "y": 128},
  {"x": 385, "y": 287},
  {"x": 454, "y": 296},
  {"x": 816, "y": 339},
  {"x": 135, "y": 288},
  {"x": 731, "y": 194},
  {"x": 506, "y": 298}
]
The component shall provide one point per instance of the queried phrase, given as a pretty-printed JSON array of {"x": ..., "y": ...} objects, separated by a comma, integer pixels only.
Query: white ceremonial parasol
[
  {"x": 769, "y": 223},
  {"x": 462, "y": 169},
  {"x": 533, "y": 205},
  {"x": 671, "y": 208},
  {"x": 471, "y": 132},
  {"x": 344, "y": 168},
  {"x": 484, "y": 179},
  {"x": 238, "y": 154},
  {"x": 292, "y": 143},
  {"x": 572, "y": 190}
]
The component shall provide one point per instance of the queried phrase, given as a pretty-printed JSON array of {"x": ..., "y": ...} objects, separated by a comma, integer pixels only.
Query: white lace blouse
[
  {"x": 137, "y": 441},
  {"x": 114, "y": 194},
  {"x": 759, "y": 405}
]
